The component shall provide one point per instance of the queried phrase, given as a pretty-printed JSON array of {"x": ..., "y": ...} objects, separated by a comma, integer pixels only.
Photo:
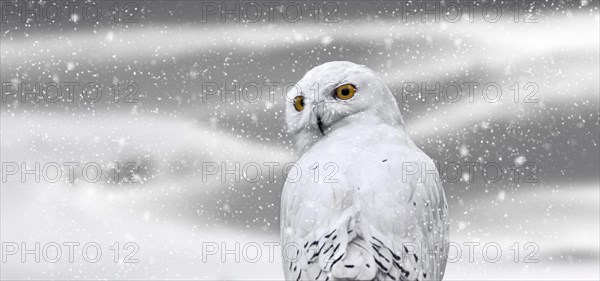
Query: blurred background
[{"x": 185, "y": 72}]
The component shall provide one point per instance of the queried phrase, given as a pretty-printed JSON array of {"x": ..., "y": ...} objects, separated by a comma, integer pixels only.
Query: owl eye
[
  {"x": 299, "y": 103},
  {"x": 345, "y": 92}
]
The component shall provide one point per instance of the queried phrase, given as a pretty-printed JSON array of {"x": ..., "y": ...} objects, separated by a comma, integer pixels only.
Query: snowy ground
[{"x": 171, "y": 213}]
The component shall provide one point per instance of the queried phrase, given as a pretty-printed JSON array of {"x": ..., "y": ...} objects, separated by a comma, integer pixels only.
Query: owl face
[{"x": 335, "y": 94}]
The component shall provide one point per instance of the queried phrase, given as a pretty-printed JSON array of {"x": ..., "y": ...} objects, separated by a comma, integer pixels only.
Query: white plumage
[{"x": 364, "y": 202}]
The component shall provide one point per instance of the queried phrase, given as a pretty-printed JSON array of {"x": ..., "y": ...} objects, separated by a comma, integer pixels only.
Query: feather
[{"x": 383, "y": 214}]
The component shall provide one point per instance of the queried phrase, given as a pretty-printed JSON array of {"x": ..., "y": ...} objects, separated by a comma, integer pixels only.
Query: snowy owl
[{"x": 364, "y": 202}]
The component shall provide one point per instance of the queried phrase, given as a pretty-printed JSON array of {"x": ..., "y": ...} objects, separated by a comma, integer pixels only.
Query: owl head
[{"x": 334, "y": 95}]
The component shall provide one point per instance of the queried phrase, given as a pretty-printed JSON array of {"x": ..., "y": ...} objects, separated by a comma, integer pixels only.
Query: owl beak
[
  {"x": 317, "y": 113},
  {"x": 320, "y": 125}
]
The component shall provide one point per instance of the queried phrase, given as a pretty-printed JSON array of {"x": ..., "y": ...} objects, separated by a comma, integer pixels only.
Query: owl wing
[
  {"x": 383, "y": 216},
  {"x": 311, "y": 224},
  {"x": 403, "y": 211}
]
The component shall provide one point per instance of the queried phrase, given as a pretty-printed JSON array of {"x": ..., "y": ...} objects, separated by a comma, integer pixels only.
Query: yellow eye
[
  {"x": 345, "y": 92},
  {"x": 299, "y": 103}
]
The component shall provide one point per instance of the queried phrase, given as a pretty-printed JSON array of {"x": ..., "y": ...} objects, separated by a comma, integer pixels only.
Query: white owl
[{"x": 364, "y": 202}]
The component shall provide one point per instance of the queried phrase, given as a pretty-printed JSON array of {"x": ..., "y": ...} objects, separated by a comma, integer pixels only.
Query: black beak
[{"x": 320, "y": 125}]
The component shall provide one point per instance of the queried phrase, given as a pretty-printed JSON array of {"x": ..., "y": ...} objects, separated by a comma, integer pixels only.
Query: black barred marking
[
  {"x": 384, "y": 160},
  {"x": 334, "y": 262},
  {"x": 336, "y": 248},
  {"x": 314, "y": 256},
  {"x": 396, "y": 257},
  {"x": 320, "y": 249},
  {"x": 382, "y": 261},
  {"x": 377, "y": 250},
  {"x": 404, "y": 271},
  {"x": 378, "y": 240},
  {"x": 330, "y": 246},
  {"x": 380, "y": 265}
]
